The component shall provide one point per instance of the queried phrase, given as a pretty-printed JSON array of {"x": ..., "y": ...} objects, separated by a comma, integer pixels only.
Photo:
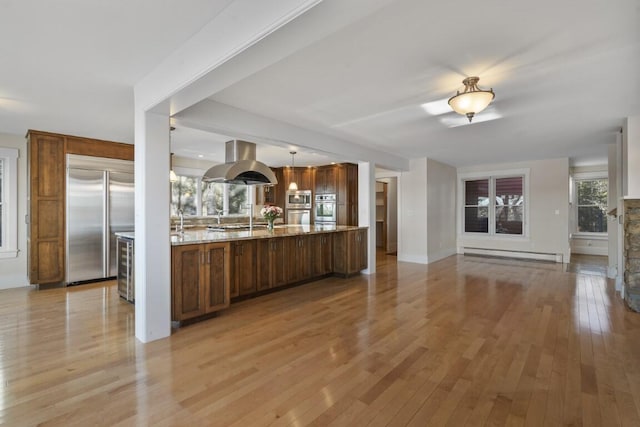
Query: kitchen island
[{"x": 212, "y": 269}]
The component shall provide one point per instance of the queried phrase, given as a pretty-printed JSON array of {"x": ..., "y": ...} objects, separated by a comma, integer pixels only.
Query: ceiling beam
[{"x": 211, "y": 116}]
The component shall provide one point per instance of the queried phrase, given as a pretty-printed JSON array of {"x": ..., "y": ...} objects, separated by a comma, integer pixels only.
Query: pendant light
[
  {"x": 293, "y": 186},
  {"x": 172, "y": 175},
  {"x": 472, "y": 100}
]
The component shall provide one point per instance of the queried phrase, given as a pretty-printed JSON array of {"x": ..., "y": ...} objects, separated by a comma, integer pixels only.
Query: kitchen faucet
[
  {"x": 180, "y": 227},
  {"x": 250, "y": 208},
  {"x": 218, "y": 212}
]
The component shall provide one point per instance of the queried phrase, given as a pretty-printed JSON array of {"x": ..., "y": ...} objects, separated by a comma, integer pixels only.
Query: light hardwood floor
[{"x": 463, "y": 341}]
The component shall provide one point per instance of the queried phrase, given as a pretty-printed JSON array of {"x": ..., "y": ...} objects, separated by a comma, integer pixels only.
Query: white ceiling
[{"x": 564, "y": 74}]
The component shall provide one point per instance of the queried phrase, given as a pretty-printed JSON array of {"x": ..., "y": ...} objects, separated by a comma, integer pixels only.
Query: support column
[
  {"x": 367, "y": 209},
  {"x": 152, "y": 222}
]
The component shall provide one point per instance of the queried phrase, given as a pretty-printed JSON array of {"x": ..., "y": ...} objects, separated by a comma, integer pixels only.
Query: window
[
  {"x": 505, "y": 216},
  {"x": 197, "y": 198},
  {"x": 591, "y": 205},
  {"x": 8, "y": 203}
]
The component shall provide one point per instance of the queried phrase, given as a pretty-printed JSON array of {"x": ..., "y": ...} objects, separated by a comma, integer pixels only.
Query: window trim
[
  {"x": 586, "y": 176},
  {"x": 492, "y": 176},
  {"x": 9, "y": 218},
  {"x": 198, "y": 173}
]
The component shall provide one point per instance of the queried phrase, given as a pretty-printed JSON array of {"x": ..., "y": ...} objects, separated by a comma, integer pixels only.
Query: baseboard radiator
[{"x": 540, "y": 256}]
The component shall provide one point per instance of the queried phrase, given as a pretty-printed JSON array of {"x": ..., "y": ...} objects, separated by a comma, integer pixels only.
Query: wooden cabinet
[
  {"x": 46, "y": 197},
  {"x": 299, "y": 258},
  {"x": 304, "y": 177},
  {"x": 271, "y": 263},
  {"x": 350, "y": 251},
  {"x": 326, "y": 180},
  {"x": 200, "y": 279},
  {"x": 243, "y": 267},
  {"x": 270, "y": 193},
  {"x": 321, "y": 254},
  {"x": 347, "y": 194}
]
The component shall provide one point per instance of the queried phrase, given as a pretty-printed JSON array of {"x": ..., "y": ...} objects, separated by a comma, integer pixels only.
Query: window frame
[
  {"x": 197, "y": 173},
  {"x": 586, "y": 176},
  {"x": 9, "y": 216},
  {"x": 492, "y": 176}
]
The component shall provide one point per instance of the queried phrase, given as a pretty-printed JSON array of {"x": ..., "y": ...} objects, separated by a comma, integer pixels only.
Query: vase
[{"x": 270, "y": 224}]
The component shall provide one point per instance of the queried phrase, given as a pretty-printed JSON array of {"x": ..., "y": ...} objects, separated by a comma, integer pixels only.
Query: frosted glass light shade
[
  {"x": 472, "y": 100},
  {"x": 293, "y": 186}
]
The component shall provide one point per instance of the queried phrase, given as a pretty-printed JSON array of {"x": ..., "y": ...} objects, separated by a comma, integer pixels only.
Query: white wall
[
  {"x": 441, "y": 208},
  {"x": 412, "y": 223},
  {"x": 548, "y": 210},
  {"x": 427, "y": 198},
  {"x": 13, "y": 271}
]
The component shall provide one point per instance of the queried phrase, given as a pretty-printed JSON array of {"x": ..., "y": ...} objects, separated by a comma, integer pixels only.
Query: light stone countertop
[{"x": 189, "y": 237}]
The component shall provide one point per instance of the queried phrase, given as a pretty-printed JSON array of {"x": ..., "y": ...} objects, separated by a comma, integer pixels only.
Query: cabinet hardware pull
[{"x": 208, "y": 257}]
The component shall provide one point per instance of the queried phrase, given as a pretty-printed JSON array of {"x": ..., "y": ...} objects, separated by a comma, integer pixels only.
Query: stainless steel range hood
[{"x": 241, "y": 166}]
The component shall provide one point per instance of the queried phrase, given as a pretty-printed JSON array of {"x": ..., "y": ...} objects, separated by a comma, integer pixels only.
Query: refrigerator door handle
[{"x": 105, "y": 225}]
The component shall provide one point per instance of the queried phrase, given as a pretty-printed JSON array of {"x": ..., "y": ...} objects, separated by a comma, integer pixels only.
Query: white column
[
  {"x": 367, "y": 209},
  {"x": 152, "y": 249}
]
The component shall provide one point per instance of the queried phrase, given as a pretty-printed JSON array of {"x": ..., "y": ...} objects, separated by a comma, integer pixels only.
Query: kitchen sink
[{"x": 233, "y": 227}]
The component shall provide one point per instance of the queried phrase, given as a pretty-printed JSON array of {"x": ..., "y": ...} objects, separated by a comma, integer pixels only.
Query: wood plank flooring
[{"x": 463, "y": 341}]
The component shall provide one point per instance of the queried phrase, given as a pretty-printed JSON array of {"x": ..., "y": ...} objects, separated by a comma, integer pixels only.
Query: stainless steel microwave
[{"x": 299, "y": 199}]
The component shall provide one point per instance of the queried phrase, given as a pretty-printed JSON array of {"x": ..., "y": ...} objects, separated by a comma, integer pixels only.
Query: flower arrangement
[{"x": 270, "y": 213}]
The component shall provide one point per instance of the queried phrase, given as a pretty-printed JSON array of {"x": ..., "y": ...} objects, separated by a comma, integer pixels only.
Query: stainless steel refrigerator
[{"x": 100, "y": 203}]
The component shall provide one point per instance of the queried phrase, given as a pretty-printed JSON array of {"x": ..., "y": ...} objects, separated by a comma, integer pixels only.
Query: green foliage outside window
[{"x": 592, "y": 205}]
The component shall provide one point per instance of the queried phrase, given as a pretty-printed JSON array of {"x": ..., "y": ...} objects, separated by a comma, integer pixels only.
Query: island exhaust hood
[{"x": 241, "y": 166}]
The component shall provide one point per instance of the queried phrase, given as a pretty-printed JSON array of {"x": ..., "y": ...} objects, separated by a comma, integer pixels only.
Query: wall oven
[
  {"x": 325, "y": 209},
  {"x": 299, "y": 199}
]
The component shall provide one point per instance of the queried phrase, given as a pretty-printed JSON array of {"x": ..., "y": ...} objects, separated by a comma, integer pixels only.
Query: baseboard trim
[
  {"x": 590, "y": 250},
  {"x": 540, "y": 256}
]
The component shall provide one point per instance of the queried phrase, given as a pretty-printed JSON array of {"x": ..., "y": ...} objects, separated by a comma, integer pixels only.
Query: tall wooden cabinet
[
  {"x": 46, "y": 198},
  {"x": 46, "y": 194},
  {"x": 347, "y": 193},
  {"x": 200, "y": 279}
]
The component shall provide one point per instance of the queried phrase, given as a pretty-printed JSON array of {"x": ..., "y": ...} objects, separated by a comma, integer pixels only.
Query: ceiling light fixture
[
  {"x": 172, "y": 175},
  {"x": 293, "y": 186},
  {"x": 473, "y": 100}
]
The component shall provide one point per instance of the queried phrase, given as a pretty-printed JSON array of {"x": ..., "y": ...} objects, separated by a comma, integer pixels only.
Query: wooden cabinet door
[
  {"x": 325, "y": 178},
  {"x": 321, "y": 254},
  {"x": 188, "y": 295},
  {"x": 245, "y": 267},
  {"x": 263, "y": 264},
  {"x": 279, "y": 262},
  {"x": 350, "y": 251},
  {"x": 271, "y": 263},
  {"x": 306, "y": 178},
  {"x": 304, "y": 257},
  {"x": 216, "y": 276},
  {"x": 299, "y": 265},
  {"x": 362, "y": 250},
  {"x": 46, "y": 243}
]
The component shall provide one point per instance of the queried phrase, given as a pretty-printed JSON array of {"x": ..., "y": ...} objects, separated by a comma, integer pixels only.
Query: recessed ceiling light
[{"x": 201, "y": 155}]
